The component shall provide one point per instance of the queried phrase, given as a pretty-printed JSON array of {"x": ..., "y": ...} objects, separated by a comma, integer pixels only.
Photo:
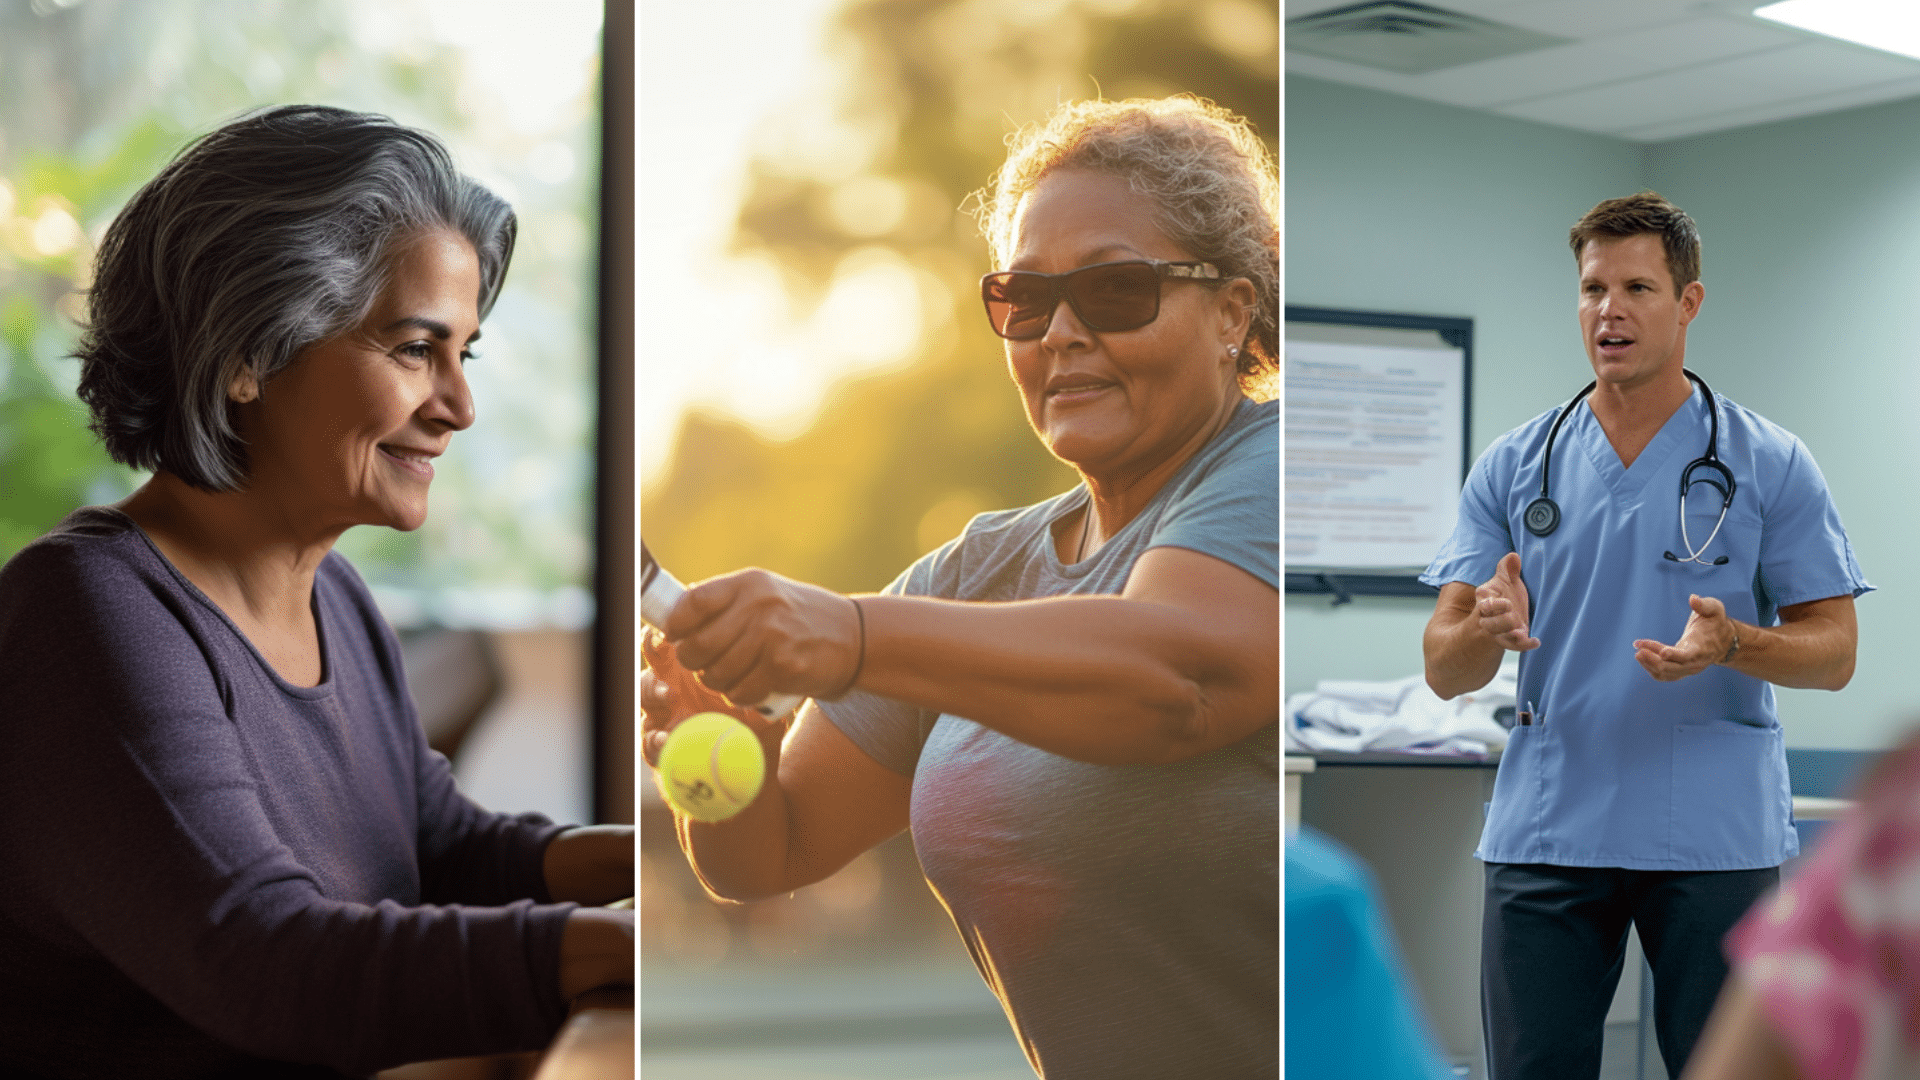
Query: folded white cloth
[{"x": 1352, "y": 716}]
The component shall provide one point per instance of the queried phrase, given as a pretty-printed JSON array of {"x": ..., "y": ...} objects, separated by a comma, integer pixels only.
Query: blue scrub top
[{"x": 1619, "y": 769}]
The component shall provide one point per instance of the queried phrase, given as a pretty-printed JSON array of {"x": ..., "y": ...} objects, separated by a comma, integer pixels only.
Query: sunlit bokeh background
[
  {"x": 97, "y": 95},
  {"x": 820, "y": 395}
]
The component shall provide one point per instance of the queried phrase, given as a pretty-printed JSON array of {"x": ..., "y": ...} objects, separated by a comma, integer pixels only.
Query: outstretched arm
[
  {"x": 1812, "y": 648},
  {"x": 1184, "y": 661}
]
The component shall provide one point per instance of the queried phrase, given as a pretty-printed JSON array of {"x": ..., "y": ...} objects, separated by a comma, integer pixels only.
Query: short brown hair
[{"x": 1637, "y": 215}]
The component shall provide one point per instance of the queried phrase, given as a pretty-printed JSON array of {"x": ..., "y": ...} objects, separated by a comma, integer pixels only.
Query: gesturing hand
[
  {"x": 1501, "y": 606},
  {"x": 1704, "y": 643}
]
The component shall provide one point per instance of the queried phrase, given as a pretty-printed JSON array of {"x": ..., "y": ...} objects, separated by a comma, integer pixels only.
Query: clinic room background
[{"x": 1811, "y": 261}]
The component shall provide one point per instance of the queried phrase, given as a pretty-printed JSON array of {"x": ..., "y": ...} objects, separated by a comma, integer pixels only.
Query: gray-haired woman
[
  {"x": 223, "y": 839},
  {"x": 1073, "y": 705}
]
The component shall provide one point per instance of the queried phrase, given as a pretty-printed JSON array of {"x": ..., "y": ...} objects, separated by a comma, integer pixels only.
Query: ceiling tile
[
  {"x": 1649, "y": 70},
  {"x": 1599, "y": 61},
  {"x": 1779, "y": 75},
  {"x": 1773, "y": 111},
  {"x": 1586, "y": 18},
  {"x": 1320, "y": 67}
]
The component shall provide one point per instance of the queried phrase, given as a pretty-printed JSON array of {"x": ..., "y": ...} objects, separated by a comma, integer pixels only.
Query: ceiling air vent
[{"x": 1412, "y": 39}]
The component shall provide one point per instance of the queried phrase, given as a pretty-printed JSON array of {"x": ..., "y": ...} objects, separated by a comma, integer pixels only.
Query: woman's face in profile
[
  {"x": 1114, "y": 403},
  {"x": 347, "y": 434}
]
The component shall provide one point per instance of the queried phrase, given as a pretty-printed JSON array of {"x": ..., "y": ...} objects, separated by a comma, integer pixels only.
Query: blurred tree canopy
[
  {"x": 896, "y": 463},
  {"x": 97, "y": 95}
]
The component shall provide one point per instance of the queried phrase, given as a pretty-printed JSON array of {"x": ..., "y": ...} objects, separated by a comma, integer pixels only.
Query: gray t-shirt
[{"x": 1127, "y": 916}]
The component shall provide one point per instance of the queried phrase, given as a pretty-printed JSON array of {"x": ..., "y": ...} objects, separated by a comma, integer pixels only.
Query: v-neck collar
[{"x": 1673, "y": 437}]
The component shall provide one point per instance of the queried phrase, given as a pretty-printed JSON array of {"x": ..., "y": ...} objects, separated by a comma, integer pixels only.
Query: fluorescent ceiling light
[{"x": 1888, "y": 25}]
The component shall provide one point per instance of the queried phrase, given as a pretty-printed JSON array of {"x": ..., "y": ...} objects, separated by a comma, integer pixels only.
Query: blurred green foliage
[{"x": 896, "y": 463}]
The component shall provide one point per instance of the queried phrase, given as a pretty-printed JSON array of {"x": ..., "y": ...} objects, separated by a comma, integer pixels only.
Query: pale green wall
[{"x": 1812, "y": 268}]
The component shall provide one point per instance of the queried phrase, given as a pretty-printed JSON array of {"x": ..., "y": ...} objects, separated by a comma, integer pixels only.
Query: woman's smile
[
  {"x": 417, "y": 462},
  {"x": 1070, "y": 390}
]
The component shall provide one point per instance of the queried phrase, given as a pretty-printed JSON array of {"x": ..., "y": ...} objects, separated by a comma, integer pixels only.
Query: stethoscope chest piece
[{"x": 1542, "y": 516}]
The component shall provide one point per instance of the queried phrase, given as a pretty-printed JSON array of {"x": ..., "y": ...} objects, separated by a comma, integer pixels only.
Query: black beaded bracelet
[{"x": 860, "y": 664}]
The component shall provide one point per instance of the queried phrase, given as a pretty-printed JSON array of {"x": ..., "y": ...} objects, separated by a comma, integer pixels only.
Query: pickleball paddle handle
[{"x": 659, "y": 591}]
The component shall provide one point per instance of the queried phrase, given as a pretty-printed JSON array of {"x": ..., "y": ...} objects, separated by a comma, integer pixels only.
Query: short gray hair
[
  {"x": 266, "y": 236},
  {"x": 1214, "y": 184}
]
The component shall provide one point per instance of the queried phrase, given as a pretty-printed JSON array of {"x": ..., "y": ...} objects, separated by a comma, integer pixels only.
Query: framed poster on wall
[{"x": 1377, "y": 446}]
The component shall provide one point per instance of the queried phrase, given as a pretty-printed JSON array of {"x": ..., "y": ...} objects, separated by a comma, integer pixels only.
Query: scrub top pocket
[
  {"x": 1718, "y": 767},
  {"x": 1516, "y": 816}
]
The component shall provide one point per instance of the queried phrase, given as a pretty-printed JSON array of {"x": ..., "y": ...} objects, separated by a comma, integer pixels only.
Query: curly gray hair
[
  {"x": 1215, "y": 187},
  {"x": 264, "y": 237}
]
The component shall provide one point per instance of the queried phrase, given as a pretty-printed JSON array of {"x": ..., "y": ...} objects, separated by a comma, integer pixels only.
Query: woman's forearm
[
  {"x": 1102, "y": 679},
  {"x": 596, "y": 949},
  {"x": 825, "y": 802},
  {"x": 745, "y": 857},
  {"x": 590, "y": 864}
]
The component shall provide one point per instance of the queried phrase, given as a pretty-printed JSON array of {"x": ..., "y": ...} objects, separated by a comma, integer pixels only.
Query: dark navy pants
[{"x": 1552, "y": 943}]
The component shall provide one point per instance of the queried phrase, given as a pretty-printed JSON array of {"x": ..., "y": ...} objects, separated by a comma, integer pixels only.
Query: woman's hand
[
  {"x": 596, "y": 949},
  {"x": 669, "y": 693},
  {"x": 590, "y": 864},
  {"x": 819, "y": 785},
  {"x": 752, "y": 633}
]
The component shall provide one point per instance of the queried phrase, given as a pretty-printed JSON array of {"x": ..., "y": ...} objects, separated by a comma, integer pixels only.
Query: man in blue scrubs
[{"x": 1646, "y": 782}]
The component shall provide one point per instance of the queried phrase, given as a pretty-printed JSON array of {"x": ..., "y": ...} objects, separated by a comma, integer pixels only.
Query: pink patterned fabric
[{"x": 1835, "y": 954}]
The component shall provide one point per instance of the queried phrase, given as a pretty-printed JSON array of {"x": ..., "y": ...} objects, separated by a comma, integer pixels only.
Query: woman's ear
[
  {"x": 244, "y": 387},
  {"x": 1238, "y": 302}
]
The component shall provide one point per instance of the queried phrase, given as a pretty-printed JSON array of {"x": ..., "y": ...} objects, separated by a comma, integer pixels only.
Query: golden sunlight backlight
[{"x": 716, "y": 329}]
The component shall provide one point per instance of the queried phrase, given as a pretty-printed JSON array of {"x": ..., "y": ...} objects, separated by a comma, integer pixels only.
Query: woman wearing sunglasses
[{"x": 1074, "y": 704}]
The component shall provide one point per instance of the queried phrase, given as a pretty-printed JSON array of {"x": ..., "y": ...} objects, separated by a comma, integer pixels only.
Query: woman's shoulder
[
  {"x": 1244, "y": 456},
  {"x": 90, "y": 591},
  {"x": 94, "y": 550},
  {"x": 1252, "y": 431},
  {"x": 1247, "y": 447}
]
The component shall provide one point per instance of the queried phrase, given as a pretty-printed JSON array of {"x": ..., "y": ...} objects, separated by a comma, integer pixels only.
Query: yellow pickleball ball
[{"x": 711, "y": 767}]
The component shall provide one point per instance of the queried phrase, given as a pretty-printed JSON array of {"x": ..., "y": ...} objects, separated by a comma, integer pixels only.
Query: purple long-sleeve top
[{"x": 204, "y": 868}]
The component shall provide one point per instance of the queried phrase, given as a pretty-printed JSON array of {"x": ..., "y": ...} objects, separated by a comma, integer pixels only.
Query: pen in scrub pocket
[{"x": 1526, "y": 717}]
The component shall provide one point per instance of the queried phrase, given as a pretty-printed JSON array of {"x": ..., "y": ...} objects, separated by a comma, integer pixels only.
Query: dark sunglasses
[{"x": 1107, "y": 297}]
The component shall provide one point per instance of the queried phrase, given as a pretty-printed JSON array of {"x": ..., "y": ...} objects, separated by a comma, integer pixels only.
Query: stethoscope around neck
[{"x": 1542, "y": 515}]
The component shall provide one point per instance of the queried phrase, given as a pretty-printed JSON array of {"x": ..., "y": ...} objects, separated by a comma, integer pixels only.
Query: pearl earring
[{"x": 1233, "y": 352}]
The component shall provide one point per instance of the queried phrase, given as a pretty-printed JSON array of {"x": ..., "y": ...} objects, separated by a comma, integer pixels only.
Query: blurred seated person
[
  {"x": 1351, "y": 1013},
  {"x": 227, "y": 848},
  {"x": 1825, "y": 981}
]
